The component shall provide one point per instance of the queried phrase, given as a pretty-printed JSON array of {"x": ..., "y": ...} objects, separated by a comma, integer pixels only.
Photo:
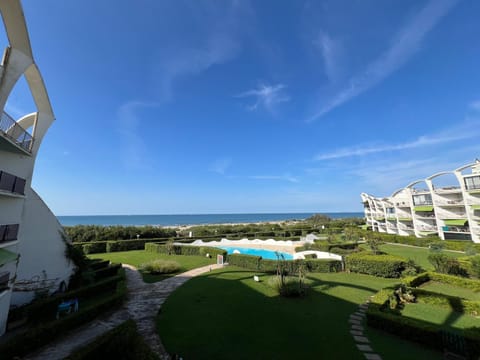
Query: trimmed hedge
[
  {"x": 97, "y": 247},
  {"x": 459, "y": 305},
  {"x": 458, "y": 245},
  {"x": 387, "y": 266},
  {"x": 37, "y": 336},
  {"x": 323, "y": 245},
  {"x": 443, "y": 278},
  {"x": 45, "y": 309},
  {"x": 291, "y": 266},
  {"x": 189, "y": 250},
  {"x": 415, "y": 330},
  {"x": 122, "y": 342}
]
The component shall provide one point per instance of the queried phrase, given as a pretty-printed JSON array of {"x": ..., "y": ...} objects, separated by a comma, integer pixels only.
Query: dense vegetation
[{"x": 84, "y": 233}]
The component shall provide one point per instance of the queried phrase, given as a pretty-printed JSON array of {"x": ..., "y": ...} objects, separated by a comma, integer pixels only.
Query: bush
[
  {"x": 455, "y": 303},
  {"x": 245, "y": 261},
  {"x": 160, "y": 267},
  {"x": 473, "y": 285},
  {"x": 475, "y": 263},
  {"x": 122, "y": 342},
  {"x": 185, "y": 250},
  {"x": 446, "y": 264},
  {"x": 291, "y": 287},
  {"x": 387, "y": 266},
  {"x": 35, "y": 337},
  {"x": 94, "y": 248}
]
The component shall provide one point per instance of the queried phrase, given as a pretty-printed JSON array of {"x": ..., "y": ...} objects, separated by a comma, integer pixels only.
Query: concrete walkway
[{"x": 142, "y": 305}]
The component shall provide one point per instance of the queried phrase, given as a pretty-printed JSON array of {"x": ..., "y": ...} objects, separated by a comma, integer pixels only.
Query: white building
[
  {"x": 430, "y": 207},
  {"x": 32, "y": 249}
]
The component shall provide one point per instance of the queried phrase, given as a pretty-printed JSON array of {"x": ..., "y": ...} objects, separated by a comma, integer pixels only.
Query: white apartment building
[
  {"x": 32, "y": 248},
  {"x": 426, "y": 208}
]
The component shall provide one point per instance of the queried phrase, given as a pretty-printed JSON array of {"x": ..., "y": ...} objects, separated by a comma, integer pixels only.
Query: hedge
[
  {"x": 458, "y": 245},
  {"x": 414, "y": 329},
  {"x": 323, "y": 245},
  {"x": 96, "y": 247},
  {"x": 457, "y": 304},
  {"x": 185, "y": 250},
  {"x": 122, "y": 342},
  {"x": 443, "y": 278},
  {"x": 45, "y": 309},
  {"x": 291, "y": 266},
  {"x": 387, "y": 266},
  {"x": 35, "y": 337}
]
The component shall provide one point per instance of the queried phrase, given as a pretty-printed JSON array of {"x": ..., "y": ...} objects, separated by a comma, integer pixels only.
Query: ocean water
[{"x": 200, "y": 219}]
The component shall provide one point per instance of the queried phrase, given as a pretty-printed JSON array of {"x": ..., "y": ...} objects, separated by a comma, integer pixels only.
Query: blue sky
[{"x": 167, "y": 107}]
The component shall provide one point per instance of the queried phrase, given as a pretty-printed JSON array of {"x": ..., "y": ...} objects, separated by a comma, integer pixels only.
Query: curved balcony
[{"x": 13, "y": 137}]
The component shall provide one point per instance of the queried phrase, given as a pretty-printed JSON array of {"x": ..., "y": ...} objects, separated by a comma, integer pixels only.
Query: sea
[{"x": 198, "y": 219}]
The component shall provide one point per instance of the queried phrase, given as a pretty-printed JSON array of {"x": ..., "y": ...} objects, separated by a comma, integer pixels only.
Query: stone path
[
  {"x": 356, "y": 321},
  {"x": 142, "y": 305}
]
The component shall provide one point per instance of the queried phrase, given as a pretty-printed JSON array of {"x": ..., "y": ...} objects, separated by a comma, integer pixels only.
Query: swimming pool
[{"x": 265, "y": 254}]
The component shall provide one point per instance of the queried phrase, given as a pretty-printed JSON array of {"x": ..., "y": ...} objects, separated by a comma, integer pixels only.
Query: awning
[
  {"x": 423, "y": 208},
  {"x": 475, "y": 207},
  {"x": 455, "y": 222},
  {"x": 7, "y": 256}
]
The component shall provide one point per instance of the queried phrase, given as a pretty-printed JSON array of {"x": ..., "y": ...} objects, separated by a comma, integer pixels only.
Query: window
[{"x": 472, "y": 182}]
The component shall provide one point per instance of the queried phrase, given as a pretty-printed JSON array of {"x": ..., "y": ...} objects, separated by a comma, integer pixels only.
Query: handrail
[{"x": 11, "y": 129}]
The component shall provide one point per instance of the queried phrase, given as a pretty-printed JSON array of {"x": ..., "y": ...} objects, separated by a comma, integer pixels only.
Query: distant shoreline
[{"x": 193, "y": 220}]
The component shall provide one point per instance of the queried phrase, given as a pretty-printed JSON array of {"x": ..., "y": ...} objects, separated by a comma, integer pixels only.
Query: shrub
[
  {"x": 388, "y": 266},
  {"x": 94, "y": 248},
  {"x": 122, "y": 342},
  {"x": 473, "y": 285},
  {"x": 245, "y": 261},
  {"x": 35, "y": 337},
  {"x": 160, "y": 267},
  {"x": 291, "y": 287},
  {"x": 446, "y": 264},
  {"x": 185, "y": 250},
  {"x": 475, "y": 263}
]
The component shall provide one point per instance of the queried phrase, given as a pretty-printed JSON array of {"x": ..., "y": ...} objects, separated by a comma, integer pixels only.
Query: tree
[
  {"x": 318, "y": 219},
  {"x": 374, "y": 242}
]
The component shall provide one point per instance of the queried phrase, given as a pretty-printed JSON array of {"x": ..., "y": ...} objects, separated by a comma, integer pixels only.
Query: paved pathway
[
  {"x": 143, "y": 303},
  {"x": 363, "y": 344}
]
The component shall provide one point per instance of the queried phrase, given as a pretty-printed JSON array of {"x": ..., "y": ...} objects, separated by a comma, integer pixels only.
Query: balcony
[
  {"x": 13, "y": 137},
  {"x": 8, "y": 233},
  {"x": 4, "y": 278},
  {"x": 448, "y": 190},
  {"x": 451, "y": 203},
  {"x": 11, "y": 185}
]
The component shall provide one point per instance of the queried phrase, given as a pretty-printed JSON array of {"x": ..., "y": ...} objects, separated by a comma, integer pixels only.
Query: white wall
[{"x": 41, "y": 246}]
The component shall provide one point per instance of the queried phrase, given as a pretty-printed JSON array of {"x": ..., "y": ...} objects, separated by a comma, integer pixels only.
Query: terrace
[{"x": 13, "y": 137}]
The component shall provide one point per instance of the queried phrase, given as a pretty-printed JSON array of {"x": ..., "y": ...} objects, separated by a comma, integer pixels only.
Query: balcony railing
[
  {"x": 8, "y": 233},
  {"x": 12, "y": 183},
  {"x": 4, "y": 278},
  {"x": 15, "y": 133}
]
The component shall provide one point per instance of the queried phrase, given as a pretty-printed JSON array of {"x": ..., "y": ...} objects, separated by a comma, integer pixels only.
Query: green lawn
[
  {"x": 451, "y": 290},
  {"x": 419, "y": 255},
  {"x": 447, "y": 318},
  {"x": 138, "y": 257},
  {"x": 226, "y": 315}
]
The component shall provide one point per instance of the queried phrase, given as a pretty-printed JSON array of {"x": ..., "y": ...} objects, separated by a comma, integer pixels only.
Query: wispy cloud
[
  {"x": 475, "y": 105},
  {"x": 134, "y": 147},
  {"x": 285, "y": 177},
  {"x": 331, "y": 50},
  {"x": 404, "y": 45},
  {"x": 221, "y": 165},
  {"x": 464, "y": 131},
  {"x": 215, "y": 36},
  {"x": 266, "y": 96}
]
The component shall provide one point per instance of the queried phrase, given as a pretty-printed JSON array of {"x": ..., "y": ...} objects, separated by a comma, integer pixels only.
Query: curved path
[{"x": 142, "y": 305}]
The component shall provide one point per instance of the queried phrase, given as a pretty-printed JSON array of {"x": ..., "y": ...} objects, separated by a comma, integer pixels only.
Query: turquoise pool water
[{"x": 265, "y": 254}]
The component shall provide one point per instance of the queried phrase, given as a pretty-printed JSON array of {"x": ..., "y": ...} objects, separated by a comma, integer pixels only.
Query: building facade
[
  {"x": 32, "y": 246},
  {"x": 431, "y": 206}
]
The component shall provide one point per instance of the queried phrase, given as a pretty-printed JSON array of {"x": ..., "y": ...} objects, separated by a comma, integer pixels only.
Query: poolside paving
[{"x": 143, "y": 303}]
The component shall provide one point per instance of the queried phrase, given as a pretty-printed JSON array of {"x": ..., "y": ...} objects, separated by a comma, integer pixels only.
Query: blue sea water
[
  {"x": 199, "y": 219},
  {"x": 265, "y": 254}
]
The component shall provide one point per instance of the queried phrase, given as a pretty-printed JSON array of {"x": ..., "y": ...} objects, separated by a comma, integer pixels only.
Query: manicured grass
[
  {"x": 225, "y": 314},
  {"x": 447, "y": 318},
  {"x": 419, "y": 255},
  {"x": 138, "y": 257},
  {"x": 451, "y": 290}
]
